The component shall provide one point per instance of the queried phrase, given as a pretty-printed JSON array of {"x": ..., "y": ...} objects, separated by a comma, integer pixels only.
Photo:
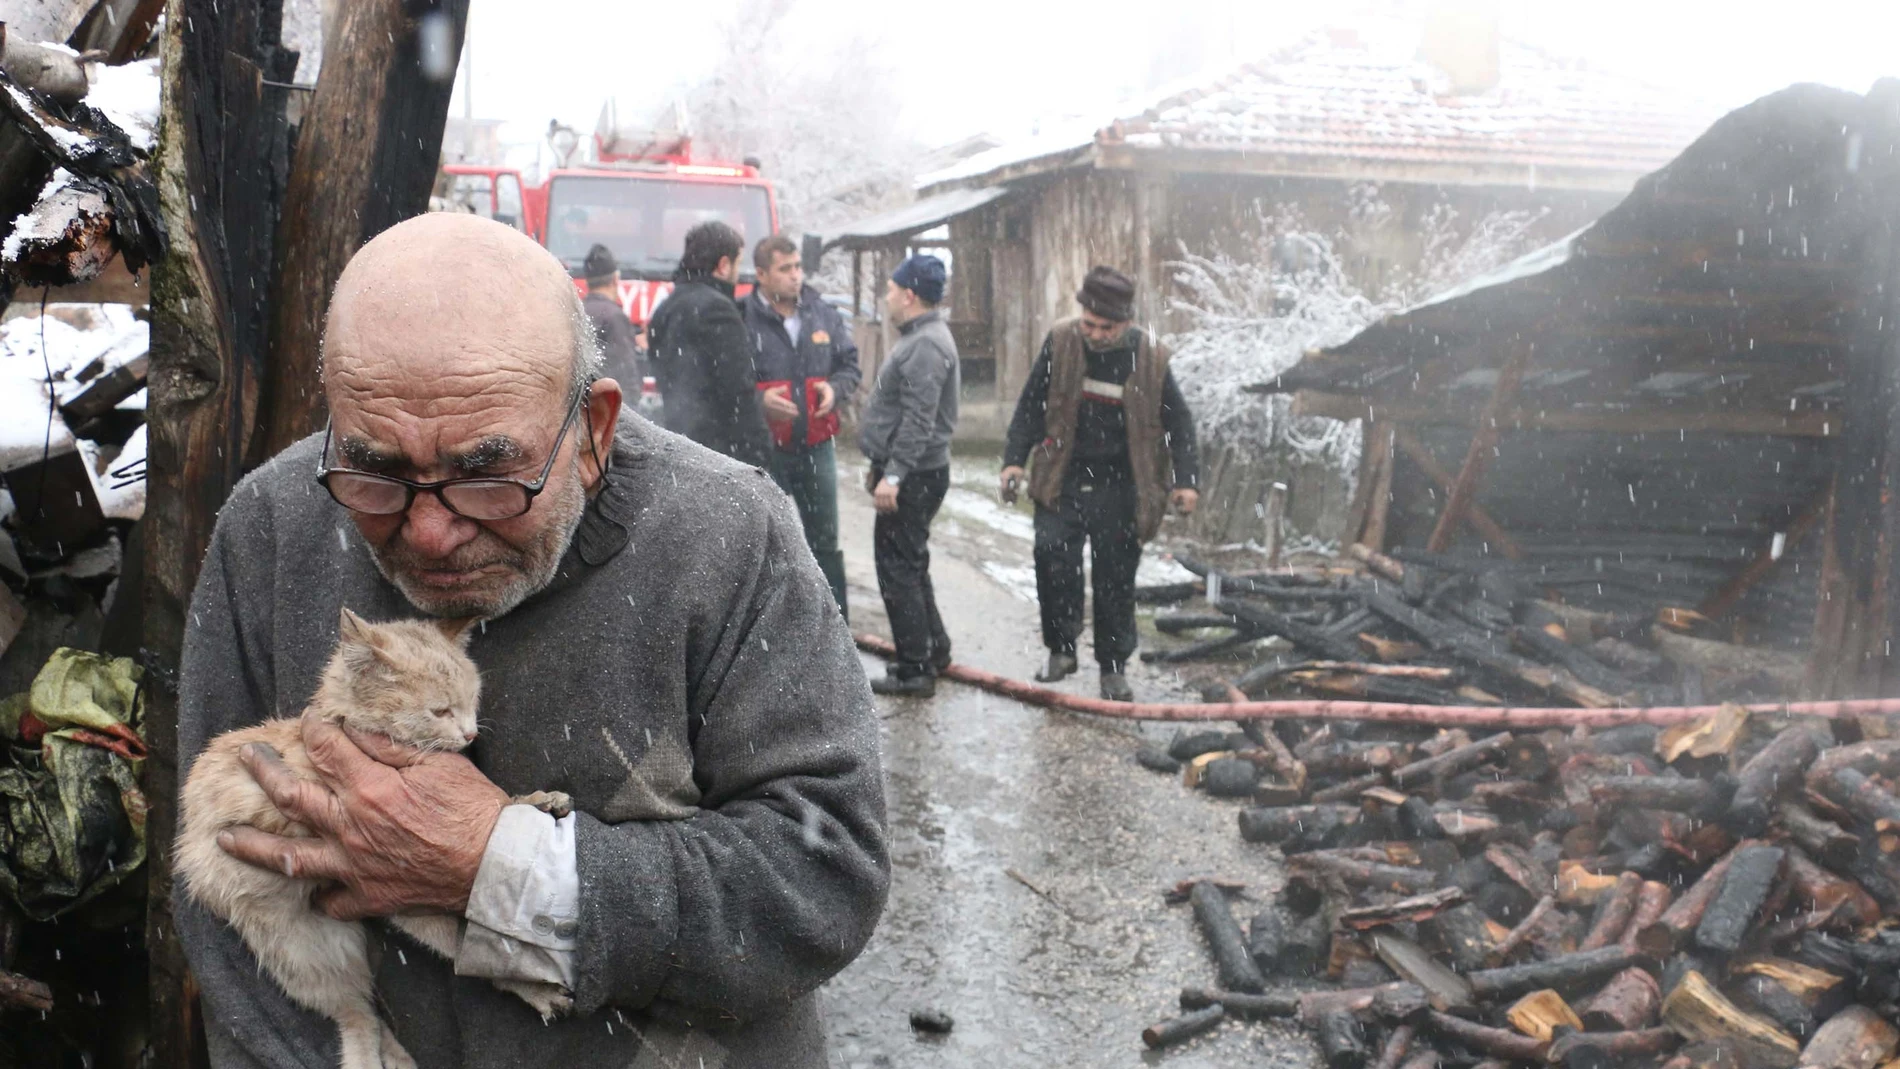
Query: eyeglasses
[{"x": 477, "y": 498}]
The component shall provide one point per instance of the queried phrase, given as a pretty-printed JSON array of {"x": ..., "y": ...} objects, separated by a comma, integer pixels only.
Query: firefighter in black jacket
[
  {"x": 807, "y": 366},
  {"x": 1113, "y": 446}
]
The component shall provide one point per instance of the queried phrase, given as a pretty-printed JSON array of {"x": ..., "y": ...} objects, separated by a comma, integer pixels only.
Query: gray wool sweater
[
  {"x": 685, "y": 678},
  {"x": 911, "y": 415}
]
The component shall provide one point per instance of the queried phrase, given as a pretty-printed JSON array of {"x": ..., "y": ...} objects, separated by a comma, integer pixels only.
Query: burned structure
[{"x": 1687, "y": 406}]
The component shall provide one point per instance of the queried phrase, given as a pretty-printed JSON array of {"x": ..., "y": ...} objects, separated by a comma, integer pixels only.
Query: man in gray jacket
[
  {"x": 905, "y": 432},
  {"x": 657, "y": 643}
]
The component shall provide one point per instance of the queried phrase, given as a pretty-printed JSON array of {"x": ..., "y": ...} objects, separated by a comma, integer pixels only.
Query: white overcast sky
[{"x": 968, "y": 66}]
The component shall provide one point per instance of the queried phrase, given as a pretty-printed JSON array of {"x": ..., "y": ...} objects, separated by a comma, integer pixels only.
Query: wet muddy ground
[{"x": 1029, "y": 851}]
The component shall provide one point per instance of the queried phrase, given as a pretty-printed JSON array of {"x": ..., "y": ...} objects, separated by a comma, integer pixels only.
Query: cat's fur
[{"x": 410, "y": 680}]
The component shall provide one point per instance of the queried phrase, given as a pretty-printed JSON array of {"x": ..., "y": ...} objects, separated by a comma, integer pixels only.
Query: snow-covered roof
[
  {"x": 915, "y": 217},
  {"x": 1369, "y": 98}
]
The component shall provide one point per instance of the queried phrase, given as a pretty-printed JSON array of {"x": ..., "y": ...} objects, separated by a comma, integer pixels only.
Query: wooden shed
[
  {"x": 1344, "y": 117},
  {"x": 1691, "y": 402}
]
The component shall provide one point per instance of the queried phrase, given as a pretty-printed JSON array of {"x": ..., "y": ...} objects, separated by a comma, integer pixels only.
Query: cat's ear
[
  {"x": 353, "y": 628},
  {"x": 459, "y": 631}
]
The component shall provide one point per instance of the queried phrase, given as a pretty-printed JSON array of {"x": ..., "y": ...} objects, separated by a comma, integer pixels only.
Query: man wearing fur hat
[{"x": 1113, "y": 447}]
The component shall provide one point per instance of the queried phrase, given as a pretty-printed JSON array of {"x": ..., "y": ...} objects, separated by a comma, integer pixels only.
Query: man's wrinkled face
[
  {"x": 782, "y": 281},
  {"x": 441, "y": 403},
  {"x": 1099, "y": 332}
]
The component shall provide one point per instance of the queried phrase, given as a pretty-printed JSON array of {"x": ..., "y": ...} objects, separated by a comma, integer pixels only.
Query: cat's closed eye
[{"x": 443, "y": 713}]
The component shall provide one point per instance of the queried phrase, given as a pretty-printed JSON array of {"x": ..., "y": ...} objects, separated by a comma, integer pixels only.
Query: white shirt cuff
[{"x": 524, "y": 909}]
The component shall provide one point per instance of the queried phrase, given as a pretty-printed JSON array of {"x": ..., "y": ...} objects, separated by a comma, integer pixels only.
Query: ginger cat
[{"x": 410, "y": 680}]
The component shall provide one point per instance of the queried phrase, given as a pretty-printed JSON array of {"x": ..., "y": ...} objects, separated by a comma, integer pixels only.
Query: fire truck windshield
[{"x": 645, "y": 220}]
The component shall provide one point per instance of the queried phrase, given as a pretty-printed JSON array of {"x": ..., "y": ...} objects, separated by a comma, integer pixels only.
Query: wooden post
[
  {"x": 1375, "y": 481},
  {"x": 1488, "y": 529},
  {"x": 1729, "y": 594},
  {"x": 1484, "y": 441},
  {"x": 1273, "y": 517},
  {"x": 220, "y": 169},
  {"x": 367, "y": 154}
]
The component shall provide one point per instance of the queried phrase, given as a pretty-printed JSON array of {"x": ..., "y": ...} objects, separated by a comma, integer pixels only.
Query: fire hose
[{"x": 1515, "y": 717}]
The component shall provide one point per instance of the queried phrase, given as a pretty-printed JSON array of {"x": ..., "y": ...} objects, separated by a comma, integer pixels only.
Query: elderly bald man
[{"x": 658, "y": 644}]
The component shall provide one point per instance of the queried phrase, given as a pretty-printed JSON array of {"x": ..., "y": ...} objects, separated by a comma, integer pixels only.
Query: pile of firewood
[
  {"x": 1709, "y": 894},
  {"x": 1438, "y": 630}
]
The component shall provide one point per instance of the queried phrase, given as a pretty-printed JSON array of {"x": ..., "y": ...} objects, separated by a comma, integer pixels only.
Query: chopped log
[
  {"x": 1235, "y": 966},
  {"x": 1613, "y": 913},
  {"x": 1317, "y": 1004},
  {"x": 1416, "y": 908},
  {"x": 1785, "y": 670},
  {"x": 1308, "y": 826},
  {"x": 1768, "y": 775},
  {"x": 1823, "y": 839},
  {"x": 1268, "y": 622},
  {"x": 1873, "y": 757},
  {"x": 1444, "y": 990},
  {"x": 1680, "y": 794},
  {"x": 1651, "y": 902},
  {"x": 1177, "y": 622},
  {"x": 1501, "y": 1042},
  {"x": 1518, "y": 867},
  {"x": 1818, "y": 889},
  {"x": 107, "y": 390},
  {"x": 1230, "y": 777},
  {"x": 1696, "y": 1010},
  {"x": 1611, "y": 1050},
  {"x": 1469, "y": 643},
  {"x": 1342, "y": 1041},
  {"x": 1186, "y": 1026},
  {"x": 1579, "y": 888},
  {"x": 1453, "y": 761},
  {"x": 1349, "y": 790},
  {"x": 1540, "y": 1013},
  {"x": 1867, "y": 800},
  {"x": 1186, "y": 746},
  {"x": 1279, "y": 758},
  {"x": 1751, "y": 875},
  {"x": 23, "y": 993},
  {"x": 1671, "y": 930},
  {"x": 1533, "y": 757},
  {"x": 1462, "y": 932},
  {"x": 1266, "y": 938},
  {"x": 1630, "y": 1001},
  {"x": 1376, "y": 562},
  {"x": 1343, "y": 757},
  {"x": 1811, "y": 985},
  {"x": 1631, "y": 659},
  {"x": 1396, "y": 878},
  {"x": 1569, "y": 972},
  {"x": 1765, "y": 996},
  {"x": 1855, "y": 1038},
  {"x": 1240, "y": 1004},
  {"x": 1578, "y": 662},
  {"x": 1398, "y": 1043},
  {"x": 1521, "y": 934}
]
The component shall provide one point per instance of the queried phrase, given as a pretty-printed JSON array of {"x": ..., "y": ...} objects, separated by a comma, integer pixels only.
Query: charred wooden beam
[
  {"x": 1569, "y": 972},
  {"x": 1307, "y": 826},
  {"x": 1468, "y": 643},
  {"x": 1816, "y": 888},
  {"x": 1484, "y": 439},
  {"x": 1611, "y": 1050},
  {"x": 1521, "y": 934},
  {"x": 1354, "y": 873},
  {"x": 1241, "y": 1004},
  {"x": 1772, "y": 1000},
  {"x": 1480, "y": 520},
  {"x": 1670, "y": 931},
  {"x": 1679, "y": 794},
  {"x": 1187, "y": 1026},
  {"x": 1651, "y": 903},
  {"x": 1305, "y": 636},
  {"x": 1613, "y": 913},
  {"x": 1825, "y": 840},
  {"x": 1485, "y": 1040},
  {"x": 1751, "y": 875},
  {"x": 1236, "y": 967},
  {"x": 1696, "y": 1010},
  {"x": 1769, "y": 775},
  {"x": 1416, "y": 908},
  {"x": 1453, "y": 761},
  {"x": 1342, "y": 1041},
  {"x": 1398, "y": 1043}
]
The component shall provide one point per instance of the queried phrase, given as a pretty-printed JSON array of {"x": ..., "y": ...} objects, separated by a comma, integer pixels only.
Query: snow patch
[
  {"x": 128, "y": 96},
  {"x": 30, "y": 425},
  {"x": 47, "y": 220}
]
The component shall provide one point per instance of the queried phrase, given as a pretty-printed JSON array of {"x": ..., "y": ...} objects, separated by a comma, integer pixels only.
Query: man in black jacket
[
  {"x": 701, "y": 353},
  {"x": 807, "y": 366}
]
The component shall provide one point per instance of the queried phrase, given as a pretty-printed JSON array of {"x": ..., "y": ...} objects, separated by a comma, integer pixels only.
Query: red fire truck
[{"x": 638, "y": 196}]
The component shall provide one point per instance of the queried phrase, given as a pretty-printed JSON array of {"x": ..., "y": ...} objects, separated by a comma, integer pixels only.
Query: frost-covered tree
[
  {"x": 1252, "y": 316},
  {"x": 814, "y": 103}
]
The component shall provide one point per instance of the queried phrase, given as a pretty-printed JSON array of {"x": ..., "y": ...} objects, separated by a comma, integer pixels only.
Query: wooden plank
[
  {"x": 1725, "y": 597},
  {"x": 1480, "y": 520},
  {"x": 1379, "y": 500},
  {"x": 1484, "y": 441},
  {"x": 1807, "y": 422}
]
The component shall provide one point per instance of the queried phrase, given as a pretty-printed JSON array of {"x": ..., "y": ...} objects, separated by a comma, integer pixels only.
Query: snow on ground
[{"x": 128, "y": 96}]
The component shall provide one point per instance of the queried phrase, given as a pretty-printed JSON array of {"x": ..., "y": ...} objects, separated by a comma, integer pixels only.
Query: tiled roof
[
  {"x": 1339, "y": 96},
  {"x": 1347, "y": 101}
]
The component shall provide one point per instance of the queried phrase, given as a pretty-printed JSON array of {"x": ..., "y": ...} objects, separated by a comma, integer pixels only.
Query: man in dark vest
[{"x": 1113, "y": 446}]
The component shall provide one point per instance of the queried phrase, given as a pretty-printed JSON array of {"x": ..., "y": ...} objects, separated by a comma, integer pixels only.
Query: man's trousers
[
  {"x": 810, "y": 476},
  {"x": 901, "y": 540},
  {"x": 1102, "y": 513}
]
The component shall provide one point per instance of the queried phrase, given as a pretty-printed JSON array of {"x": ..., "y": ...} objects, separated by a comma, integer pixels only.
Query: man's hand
[
  {"x": 778, "y": 404},
  {"x": 399, "y": 831},
  {"x": 884, "y": 498},
  {"x": 1009, "y": 483},
  {"x": 827, "y": 398},
  {"x": 1184, "y": 500}
]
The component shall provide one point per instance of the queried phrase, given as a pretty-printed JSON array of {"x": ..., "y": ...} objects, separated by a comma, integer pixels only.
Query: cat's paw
[
  {"x": 549, "y": 1000},
  {"x": 393, "y": 1054},
  {"x": 556, "y": 804}
]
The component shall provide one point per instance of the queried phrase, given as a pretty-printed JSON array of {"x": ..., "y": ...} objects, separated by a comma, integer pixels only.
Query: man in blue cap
[{"x": 905, "y": 432}]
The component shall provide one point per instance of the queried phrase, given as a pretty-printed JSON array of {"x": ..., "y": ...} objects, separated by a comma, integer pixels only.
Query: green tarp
[{"x": 72, "y": 817}]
